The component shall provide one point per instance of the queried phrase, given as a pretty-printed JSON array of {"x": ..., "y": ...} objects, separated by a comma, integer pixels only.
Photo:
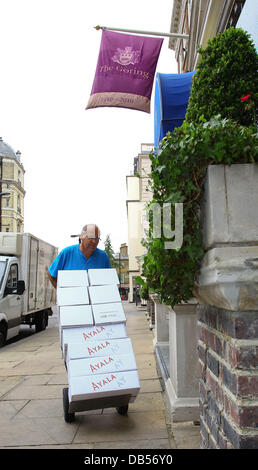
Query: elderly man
[{"x": 86, "y": 255}]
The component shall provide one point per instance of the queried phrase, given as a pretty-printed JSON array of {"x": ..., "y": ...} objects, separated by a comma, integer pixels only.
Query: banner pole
[{"x": 170, "y": 35}]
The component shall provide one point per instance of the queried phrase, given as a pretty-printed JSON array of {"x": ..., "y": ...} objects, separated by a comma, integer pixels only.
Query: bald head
[
  {"x": 91, "y": 231},
  {"x": 89, "y": 239}
]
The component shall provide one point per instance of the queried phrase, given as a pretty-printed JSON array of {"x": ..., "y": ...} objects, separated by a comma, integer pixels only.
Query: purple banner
[{"x": 125, "y": 71}]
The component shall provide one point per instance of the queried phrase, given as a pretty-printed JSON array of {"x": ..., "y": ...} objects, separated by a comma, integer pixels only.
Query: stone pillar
[
  {"x": 161, "y": 338},
  {"x": 182, "y": 386},
  {"x": 228, "y": 311},
  {"x": 151, "y": 316},
  {"x": 130, "y": 293},
  {"x": 161, "y": 331}
]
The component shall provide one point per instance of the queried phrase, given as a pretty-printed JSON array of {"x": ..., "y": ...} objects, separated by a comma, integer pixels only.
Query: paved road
[{"x": 32, "y": 377}]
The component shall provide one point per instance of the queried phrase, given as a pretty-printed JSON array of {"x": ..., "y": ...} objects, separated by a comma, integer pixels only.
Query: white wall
[{"x": 133, "y": 188}]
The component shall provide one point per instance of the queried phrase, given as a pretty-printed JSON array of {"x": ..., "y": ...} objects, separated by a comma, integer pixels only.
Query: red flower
[{"x": 244, "y": 98}]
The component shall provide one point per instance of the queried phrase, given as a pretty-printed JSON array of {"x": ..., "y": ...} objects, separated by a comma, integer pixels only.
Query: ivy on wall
[{"x": 220, "y": 128}]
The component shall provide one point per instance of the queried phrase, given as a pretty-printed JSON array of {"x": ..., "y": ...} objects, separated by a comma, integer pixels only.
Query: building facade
[
  {"x": 201, "y": 20},
  {"x": 217, "y": 335},
  {"x": 12, "y": 189},
  {"x": 138, "y": 195},
  {"x": 122, "y": 268}
]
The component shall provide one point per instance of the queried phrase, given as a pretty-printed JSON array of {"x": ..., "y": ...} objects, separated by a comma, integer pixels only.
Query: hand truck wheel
[
  {"x": 69, "y": 417},
  {"x": 122, "y": 410}
]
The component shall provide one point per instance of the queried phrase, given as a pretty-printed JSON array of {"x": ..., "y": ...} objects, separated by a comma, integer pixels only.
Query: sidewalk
[{"x": 32, "y": 377}]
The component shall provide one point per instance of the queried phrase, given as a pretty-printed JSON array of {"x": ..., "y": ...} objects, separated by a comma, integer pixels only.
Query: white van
[{"x": 26, "y": 294}]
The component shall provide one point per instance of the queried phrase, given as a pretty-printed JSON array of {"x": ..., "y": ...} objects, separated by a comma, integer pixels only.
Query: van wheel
[
  {"x": 41, "y": 321},
  {"x": 2, "y": 335}
]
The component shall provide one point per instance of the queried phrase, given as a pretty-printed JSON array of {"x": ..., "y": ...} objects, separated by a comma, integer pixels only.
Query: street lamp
[{"x": 75, "y": 236}]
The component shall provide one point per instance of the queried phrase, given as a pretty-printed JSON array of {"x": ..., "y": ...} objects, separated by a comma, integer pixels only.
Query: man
[{"x": 86, "y": 255}]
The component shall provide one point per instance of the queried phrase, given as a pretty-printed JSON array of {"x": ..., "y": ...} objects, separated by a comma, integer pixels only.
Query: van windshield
[{"x": 3, "y": 265}]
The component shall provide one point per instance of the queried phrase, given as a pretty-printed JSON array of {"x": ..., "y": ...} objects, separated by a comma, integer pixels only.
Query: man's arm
[
  {"x": 56, "y": 265},
  {"x": 52, "y": 279}
]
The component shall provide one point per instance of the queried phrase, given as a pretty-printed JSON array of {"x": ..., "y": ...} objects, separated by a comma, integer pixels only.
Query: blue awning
[{"x": 172, "y": 93}]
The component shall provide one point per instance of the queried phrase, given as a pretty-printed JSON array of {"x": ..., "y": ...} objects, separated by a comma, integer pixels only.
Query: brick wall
[{"x": 228, "y": 378}]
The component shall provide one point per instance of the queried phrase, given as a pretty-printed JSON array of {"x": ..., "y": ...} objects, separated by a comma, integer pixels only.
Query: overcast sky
[{"x": 76, "y": 161}]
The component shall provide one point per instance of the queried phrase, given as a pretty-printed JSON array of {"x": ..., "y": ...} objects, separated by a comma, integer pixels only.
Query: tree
[
  {"x": 226, "y": 74},
  {"x": 110, "y": 252}
]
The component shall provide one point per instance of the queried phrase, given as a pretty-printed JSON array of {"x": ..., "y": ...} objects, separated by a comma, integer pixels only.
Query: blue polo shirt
[{"x": 72, "y": 258}]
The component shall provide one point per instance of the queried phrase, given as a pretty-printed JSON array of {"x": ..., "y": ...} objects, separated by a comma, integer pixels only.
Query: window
[
  {"x": 12, "y": 276},
  {"x": 18, "y": 204},
  {"x": 3, "y": 265}
]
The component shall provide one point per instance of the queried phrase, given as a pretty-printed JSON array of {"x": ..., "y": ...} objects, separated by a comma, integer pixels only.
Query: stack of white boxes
[{"x": 98, "y": 354}]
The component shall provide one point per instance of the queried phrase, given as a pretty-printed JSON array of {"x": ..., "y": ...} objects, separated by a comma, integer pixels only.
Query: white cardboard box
[
  {"x": 75, "y": 315},
  {"x": 101, "y": 365},
  {"x": 86, "y": 334},
  {"x": 72, "y": 278},
  {"x": 72, "y": 296},
  {"x": 100, "y": 277},
  {"x": 108, "y": 313},
  {"x": 99, "y": 348},
  {"x": 104, "y": 294},
  {"x": 103, "y": 385}
]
